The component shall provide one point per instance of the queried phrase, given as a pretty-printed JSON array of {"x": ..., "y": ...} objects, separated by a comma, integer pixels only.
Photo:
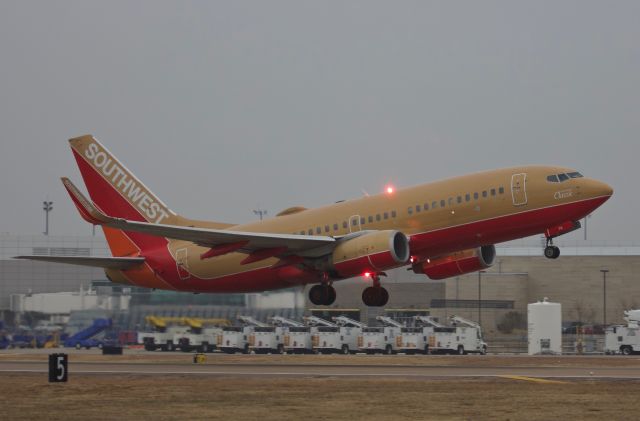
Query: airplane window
[
  {"x": 370, "y": 219},
  {"x": 318, "y": 230},
  {"x": 484, "y": 193},
  {"x": 552, "y": 178},
  {"x": 574, "y": 175},
  {"x": 386, "y": 215},
  {"x": 393, "y": 214},
  {"x": 327, "y": 228},
  {"x": 563, "y": 177},
  {"x": 467, "y": 197},
  {"x": 335, "y": 227},
  {"x": 501, "y": 190},
  {"x": 377, "y": 217},
  {"x": 493, "y": 192},
  {"x": 344, "y": 224},
  {"x": 475, "y": 196},
  {"x": 410, "y": 210},
  {"x": 434, "y": 204},
  {"x": 362, "y": 221},
  {"x": 310, "y": 231},
  {"x": 418, "y": 209},
  {"x": 426, "y": 206},
  {"x": 459, "y": 199},
  {"x": 443, "y": 203}
]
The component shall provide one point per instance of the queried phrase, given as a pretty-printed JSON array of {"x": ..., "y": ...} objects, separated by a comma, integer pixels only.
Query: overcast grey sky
[{"x": 222, "y": 106}]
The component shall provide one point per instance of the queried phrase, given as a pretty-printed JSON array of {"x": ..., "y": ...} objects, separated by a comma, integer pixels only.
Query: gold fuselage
[{"x": 468, "y": 201}]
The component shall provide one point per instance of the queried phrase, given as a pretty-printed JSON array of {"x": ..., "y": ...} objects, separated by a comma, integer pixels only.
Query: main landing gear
[
  {"x": 551, "y": 251},
  {"x": 322, "y": 295},
  {"x": 375, "y": 296}
]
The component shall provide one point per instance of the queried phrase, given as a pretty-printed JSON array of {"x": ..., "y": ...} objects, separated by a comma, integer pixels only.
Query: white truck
[
  {"x": 462, "y": 338},
  {"x": 413, "y": 340},
  {"x": 202, "y": 335},
  {"x": 165, "y": 331},
  {"x": 380, "y": 338},
  {"x": 622, "y": 339},
  {"x": 340, "y": 336},
  {"x": 236, "y": 338},
  {"x": 270, "y": 339},
  {"x": 295, "y": 337}
]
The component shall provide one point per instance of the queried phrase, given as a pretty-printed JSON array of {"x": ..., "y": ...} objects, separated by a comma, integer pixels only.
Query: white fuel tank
[{"x": 545, "y": 327}]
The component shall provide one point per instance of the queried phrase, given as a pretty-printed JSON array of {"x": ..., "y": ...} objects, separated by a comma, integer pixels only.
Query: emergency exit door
[{"x": 519, "y": 189}]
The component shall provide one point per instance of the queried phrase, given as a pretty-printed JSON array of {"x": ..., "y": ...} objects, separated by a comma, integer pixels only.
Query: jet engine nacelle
[
  {"x": 371, "y": 252},
  {"x": 458, "y": 263}
]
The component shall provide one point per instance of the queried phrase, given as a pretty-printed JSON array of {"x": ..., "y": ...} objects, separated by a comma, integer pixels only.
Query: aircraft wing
[
  {"x": 236, "y": 240},
  {"x": 100, "y": 262}
]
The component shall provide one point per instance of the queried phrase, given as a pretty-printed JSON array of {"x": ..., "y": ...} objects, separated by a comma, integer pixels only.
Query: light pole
[
  {"x": 47, "y": 206},
  {"x": 604, "y": 296},
  {"x": 260, "y": 212}
]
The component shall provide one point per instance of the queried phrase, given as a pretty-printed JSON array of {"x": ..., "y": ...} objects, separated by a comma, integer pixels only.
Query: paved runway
[{"x": 323, "y": 370}]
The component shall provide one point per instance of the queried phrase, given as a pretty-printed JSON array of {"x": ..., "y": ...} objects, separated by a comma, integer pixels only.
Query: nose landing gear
[{"x": 551, "y": 251}]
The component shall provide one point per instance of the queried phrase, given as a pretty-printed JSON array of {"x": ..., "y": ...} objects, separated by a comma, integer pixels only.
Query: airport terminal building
[{"x": 495, "y": 297}]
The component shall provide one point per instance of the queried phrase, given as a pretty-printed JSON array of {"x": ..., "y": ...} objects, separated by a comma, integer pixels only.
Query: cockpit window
[
  {"x": 563, "y": 177},
  {"x": 574, "y": 175},
  {"x": 552, "y": 178}
]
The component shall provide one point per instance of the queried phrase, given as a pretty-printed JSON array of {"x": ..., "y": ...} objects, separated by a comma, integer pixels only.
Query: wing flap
[{"x": 121, "y": 263}]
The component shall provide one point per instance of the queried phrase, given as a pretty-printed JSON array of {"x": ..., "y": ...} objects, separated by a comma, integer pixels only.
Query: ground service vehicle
[
  {"x": 621, "y": 339},
  {"x": 85, "y": 337},
  {"x": 202, "y": 334},
  {"x": 462, "y": 338},
  {"x": 164, "y": 335},
  {"x": 236, "y": 338},
  {"x": 412, "y": 340},
  {"x": 341, "y": 336},
  {"x": 380, "y": 338}
]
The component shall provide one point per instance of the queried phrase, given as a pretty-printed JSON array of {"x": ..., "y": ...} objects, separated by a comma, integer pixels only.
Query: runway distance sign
[{"x": 58, "y": 371}]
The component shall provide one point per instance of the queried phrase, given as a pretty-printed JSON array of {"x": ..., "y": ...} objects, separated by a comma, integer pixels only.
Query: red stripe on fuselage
[{"x": 500, "y": 229}]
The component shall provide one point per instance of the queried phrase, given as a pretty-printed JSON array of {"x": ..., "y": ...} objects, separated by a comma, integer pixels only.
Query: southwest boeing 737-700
[{"x": 440, "y": 229}]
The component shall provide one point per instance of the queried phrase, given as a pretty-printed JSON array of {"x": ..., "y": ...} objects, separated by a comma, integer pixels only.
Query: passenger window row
[
  {"x": 451, "y": 201},
  {"x": 559, "y": 178},
  {"x": 353, "y": 221}
]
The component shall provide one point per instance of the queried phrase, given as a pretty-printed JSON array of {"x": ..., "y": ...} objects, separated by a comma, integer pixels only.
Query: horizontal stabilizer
[{"x": 122, "y": 263}]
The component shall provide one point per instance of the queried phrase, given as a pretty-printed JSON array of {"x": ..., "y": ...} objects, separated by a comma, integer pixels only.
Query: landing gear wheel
[
  {"x": 345, "y": 349},
  {"x": 375, "y": 296},
  {"x": 388, "y": 350},
  {"x": 626, "y": 350},
  {"x": 461, "y": 350},
  {"x": 551, "y": 252},
  {"x": 322, "y": 295}
]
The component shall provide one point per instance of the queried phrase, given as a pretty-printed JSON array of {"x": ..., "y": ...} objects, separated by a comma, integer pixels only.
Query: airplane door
[
  {"x": 519, "y": 189},
  {"x": 354, "y": 223},
  {"x": 182, "y": 264}
]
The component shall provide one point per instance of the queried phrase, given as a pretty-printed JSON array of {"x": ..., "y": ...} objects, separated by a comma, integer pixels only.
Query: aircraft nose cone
[{"x": 602, "y": 189}]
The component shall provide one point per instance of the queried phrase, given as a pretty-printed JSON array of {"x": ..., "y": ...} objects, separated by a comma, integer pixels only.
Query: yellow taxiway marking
[{"x": 533, "y": 379}]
